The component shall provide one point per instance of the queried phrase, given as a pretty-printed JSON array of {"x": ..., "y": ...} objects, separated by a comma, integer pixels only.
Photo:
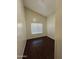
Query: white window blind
[{"x": 36, "y": 28}]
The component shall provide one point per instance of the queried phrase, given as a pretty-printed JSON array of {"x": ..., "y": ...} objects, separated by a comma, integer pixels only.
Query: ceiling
[{"x": 43, "y": 7}]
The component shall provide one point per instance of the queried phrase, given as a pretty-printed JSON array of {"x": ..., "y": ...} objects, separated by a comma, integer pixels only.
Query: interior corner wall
[
  {"x": 51, "y": 26},
  {"x": 21, "y": 29},
  {"x": 30, "y": 15}
]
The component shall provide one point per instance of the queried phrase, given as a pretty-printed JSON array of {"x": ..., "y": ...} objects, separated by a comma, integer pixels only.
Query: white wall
[
  {"x": 21, "y": 29},
  {"x": 30, "y": 15},
  {"x": 58, "y": 30},
  {"x": 51, "y": 26}
]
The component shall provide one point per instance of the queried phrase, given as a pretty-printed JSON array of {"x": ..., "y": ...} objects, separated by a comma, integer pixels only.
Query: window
[{"x": 36, "y": 28}]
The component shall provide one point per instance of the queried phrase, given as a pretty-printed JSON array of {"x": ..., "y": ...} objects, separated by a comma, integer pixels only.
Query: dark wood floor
[{"x": 39, "y": 48}]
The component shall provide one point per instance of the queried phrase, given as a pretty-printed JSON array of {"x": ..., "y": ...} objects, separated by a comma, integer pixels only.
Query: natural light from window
[{"x": 36, "y": 28}]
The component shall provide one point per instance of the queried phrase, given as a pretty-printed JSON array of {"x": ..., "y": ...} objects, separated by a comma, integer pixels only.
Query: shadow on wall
[{"x": 58, "y": 49}]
